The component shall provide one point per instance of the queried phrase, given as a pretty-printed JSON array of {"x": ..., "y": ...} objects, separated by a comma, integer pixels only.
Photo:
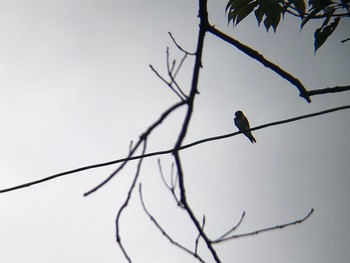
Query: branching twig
[
  {"x": 164, "y": 232},
  {"x": 199, "y": 235},
  {"x": 142, "y": 138},
  {"x": 203, "y": 15},
  {"x": 264, "y": 229},
  {"x": 179, "y": 47},
  {"x": 172, "y": 185},
  {"x": 232, "y": 229},
  {"x": 166, "y": 82},
  {"x": 131, "y": 158},
  {"x": 171, "y": 73},
  {"x": 125, "y": 204},
  {"x": 180, "y": 65}
]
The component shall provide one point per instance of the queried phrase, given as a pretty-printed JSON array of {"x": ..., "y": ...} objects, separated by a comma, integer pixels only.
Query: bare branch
[
  {"x": 142, "y": 138},
  {"x": 162, "y": 175},
  {"x": 131, "y": 158},
  {"x": 172, "y": 185},
  {"x": 255, "y": 55},
  {"x": 125, "y": 204},
  {"x": 179, "y": 47},
  {"x": 199, "y": 235},
  {"x": 173, "y": 180},
  {"x": 231, "y": 230},
  {"x": 166, "y": 82},
  {"x": 265, "y": 229},
  {"x": 328, "y": 90},
  {"x": 180, "y": 65},
  {"x": 173, "y": 75},
  {"x": 164, "y": 232},
  {"x": 203, "y": 15}
]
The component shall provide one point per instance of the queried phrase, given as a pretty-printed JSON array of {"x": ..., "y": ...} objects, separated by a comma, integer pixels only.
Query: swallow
[{"x": 242, "y": 124}]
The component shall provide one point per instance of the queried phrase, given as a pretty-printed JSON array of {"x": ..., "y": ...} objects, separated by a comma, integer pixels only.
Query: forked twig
[
  {"x": 126, "y": 202},
  {"x": 172, "y": 185},
  {"x": 172, "y": 75},
  {"x": 199, "y": 235},
  {"x": 172, "y": 241},
  {"x": 179, "y": 47},
  {"x": 232, "y": 229},
  {"x": 166, "y": 82},
  {"x": 264, "y": 229},
  {"x": 142, "y": 138}
]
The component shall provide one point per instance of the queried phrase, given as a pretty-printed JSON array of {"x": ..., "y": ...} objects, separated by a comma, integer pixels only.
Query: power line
[{"x": 171, "y": 150}]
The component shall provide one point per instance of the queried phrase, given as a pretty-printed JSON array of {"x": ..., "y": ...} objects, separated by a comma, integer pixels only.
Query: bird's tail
[{"x": 250, "y": 137}]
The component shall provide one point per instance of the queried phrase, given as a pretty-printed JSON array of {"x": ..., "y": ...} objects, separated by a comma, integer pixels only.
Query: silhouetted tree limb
[
  {"x": 143, "y": 137},
  {"x": 172, "y": 241},
  {"x": 170, "y": 84},
  {"x": 328, "y": 90},
  {"x": 172, "y": 72},
  {"x": 232, "y": 229},
  {"x": 203, "y": 16},
  {"x": 199, "y": 235},
  {"x": 126, "y": 202},
  {"x": 220, "y": 240},
  {"x": 179, "y": 47},
  {"x": 173, "y": 182},
  {"x": 183, "y": 147},
  {"x": 257, "y": 56}
]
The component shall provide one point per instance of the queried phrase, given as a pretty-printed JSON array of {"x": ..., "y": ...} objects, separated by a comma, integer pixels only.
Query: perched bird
[{"x": 242, "y": 124}]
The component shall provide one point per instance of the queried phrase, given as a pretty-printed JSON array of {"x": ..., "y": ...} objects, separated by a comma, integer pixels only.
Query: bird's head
[{"x": 239, "y": 114}]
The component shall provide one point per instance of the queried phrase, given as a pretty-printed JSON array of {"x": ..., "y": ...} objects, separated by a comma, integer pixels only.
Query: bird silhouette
[{"x": 242, "y": 124}]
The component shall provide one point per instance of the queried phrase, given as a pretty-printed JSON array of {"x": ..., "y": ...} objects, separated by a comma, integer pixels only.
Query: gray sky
[{"x": 76, "y": 88}]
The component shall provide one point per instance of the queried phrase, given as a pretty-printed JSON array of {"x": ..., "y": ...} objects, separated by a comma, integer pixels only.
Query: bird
[{"x": 242, "y": 124}]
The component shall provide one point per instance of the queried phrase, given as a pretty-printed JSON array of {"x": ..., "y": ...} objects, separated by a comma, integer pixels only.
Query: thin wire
[{"x": 171, "y": 150}]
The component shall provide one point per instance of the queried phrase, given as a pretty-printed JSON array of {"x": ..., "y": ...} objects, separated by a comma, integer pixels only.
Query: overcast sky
[{"x": 76, "y": 88}]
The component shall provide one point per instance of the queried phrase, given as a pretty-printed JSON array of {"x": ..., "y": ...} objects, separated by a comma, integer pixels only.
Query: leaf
[
  {"x": 299, "y": 6},
  {"x": 239, "y": 10},
  {"x": 246, "y": 10},
  {"x": 346, "y": 4},
  {"x": 310, "y": 16},
  {"x": 259, "y": 14},
  {"x": 240, "y": 3},
  {"x": 322, "y": 34},
  {"x": 316, "y": 4},
  {"x": 273, "y": 15},
  {"x": 272, "y": 20},
  {"x": 230, "y": 3}
]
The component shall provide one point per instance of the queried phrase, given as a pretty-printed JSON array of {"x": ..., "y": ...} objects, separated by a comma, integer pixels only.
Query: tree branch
[
  {"x": 257, "y": 56},
  {"x": 164, "y": 232},
  {"x": 179, "y": 47},
  {"x": 264, "y": 229},
  {"x": 203, "y": 16},
  {"x": 232, "y": 229},
  {"x": 166, "y": 82},
  {"x": 142, "y": 138},
  {"x": 328, "y": 90},
  {"x": 125, "y": 204}
]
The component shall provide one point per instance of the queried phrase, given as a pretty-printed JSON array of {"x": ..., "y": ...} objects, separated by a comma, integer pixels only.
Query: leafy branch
[{"x": 271, "y": 12}]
